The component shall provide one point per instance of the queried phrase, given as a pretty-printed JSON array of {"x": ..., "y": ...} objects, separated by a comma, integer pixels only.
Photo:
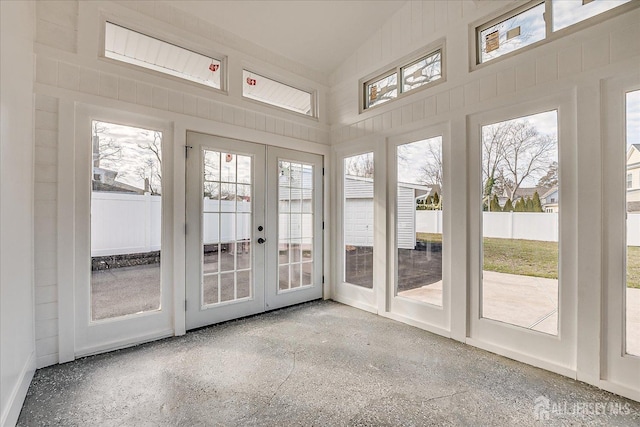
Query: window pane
[
  {"x": 419, "y": 221},
  {"x": 633, "y": 223},
  {"x": 358, "y": 220},
  {"x": 138, "y": 49},
  {"x": 295, "y": 229},
  {"x": 520, "y": 204},
  {"x": 126, "y": 213},
  {"x": 382, "y": 90},
  {"x": 513, "y": 33},
  {"x": 271, "y": 92},
  {"x": 420, "y": 73},
  {"x": 569, "y": 12},
  {"x": 226, "y": 227}
]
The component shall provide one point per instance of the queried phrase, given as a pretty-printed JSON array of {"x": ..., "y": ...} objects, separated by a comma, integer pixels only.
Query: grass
[{"x": 533, "y": 258}]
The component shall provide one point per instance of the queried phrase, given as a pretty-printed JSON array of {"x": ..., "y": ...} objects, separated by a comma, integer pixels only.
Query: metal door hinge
[
  {"x": 323, "y": 225},
  {"x": 322, "y": 171},
  {"x": 186, "y": 150},
  {"x": 185, "y": 305},
  {"x": 322, "y": 279}
]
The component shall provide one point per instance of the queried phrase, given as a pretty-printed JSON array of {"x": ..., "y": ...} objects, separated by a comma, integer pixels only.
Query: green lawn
[{"x": 533, "y": 258}]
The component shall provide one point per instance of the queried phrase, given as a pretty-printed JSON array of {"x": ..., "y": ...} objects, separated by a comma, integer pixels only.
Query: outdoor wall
[
  {"x": 68, "y": 71},
  {"x": 17, "y": 350}
]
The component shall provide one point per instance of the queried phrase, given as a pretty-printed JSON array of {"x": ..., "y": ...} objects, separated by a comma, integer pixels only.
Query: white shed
[{"x": 358, "y": 212}]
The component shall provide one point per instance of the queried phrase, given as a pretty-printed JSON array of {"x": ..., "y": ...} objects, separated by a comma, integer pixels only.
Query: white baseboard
[{"x": 14, "y": 406}]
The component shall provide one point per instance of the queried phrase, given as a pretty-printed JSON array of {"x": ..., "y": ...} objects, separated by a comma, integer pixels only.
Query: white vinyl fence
[
  {"x": 130, "y": 223},
  {"x": 519, "y": 225}
]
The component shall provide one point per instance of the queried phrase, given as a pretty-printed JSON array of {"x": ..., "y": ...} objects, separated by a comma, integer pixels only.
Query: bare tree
[
  {"x": 432, "y": 169},
  {"x": 104, "y": 148},
  {"x": 150, "y": 169},
  {"x": 527, "y": 153},
  {"x": 513, "y": 152},
  {"x": 361, "y": 166}
]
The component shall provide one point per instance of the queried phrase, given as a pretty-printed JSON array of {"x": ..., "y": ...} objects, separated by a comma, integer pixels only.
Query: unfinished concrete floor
[{"x": 316, "y": 364}]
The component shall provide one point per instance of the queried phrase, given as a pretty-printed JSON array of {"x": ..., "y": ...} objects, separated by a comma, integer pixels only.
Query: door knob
[{"x": 261, "y": 240}]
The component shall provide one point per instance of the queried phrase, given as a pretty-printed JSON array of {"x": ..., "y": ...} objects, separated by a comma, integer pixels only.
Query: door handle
[{"x": 261, "y": 240}]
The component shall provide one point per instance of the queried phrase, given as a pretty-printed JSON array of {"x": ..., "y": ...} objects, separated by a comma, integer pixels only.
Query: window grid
[
  {"x": 226, "y": 185},
  {"x": 295, "y": 228}
]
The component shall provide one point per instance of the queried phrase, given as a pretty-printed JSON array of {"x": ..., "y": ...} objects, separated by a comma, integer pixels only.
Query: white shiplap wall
[{"x": 68, "y": 68}]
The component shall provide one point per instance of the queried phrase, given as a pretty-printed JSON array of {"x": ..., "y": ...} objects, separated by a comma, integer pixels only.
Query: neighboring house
[
  {"x": 549, "y": 200},
  {"x": 523, "y": 192},
  {"x": 358, "y": 211},
  {"x": 633, "y": 178},
  {"x": 105, "y": 180}
]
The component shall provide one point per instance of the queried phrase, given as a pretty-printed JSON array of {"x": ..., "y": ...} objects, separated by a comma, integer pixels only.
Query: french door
[{"x": 254, "y": 229}]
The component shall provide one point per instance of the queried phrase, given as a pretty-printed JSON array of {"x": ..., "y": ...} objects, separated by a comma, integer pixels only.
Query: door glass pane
[
  {"x": 226, "y": 227},
  {"x": 126, "y": 213},
  {"x": 295, "y": 229},
  {"x": 520, "y": 204},
  {"x": 419, "y": 221},
  {"x": 633, "y": 224},
  {"x": 358, "y": 220}
]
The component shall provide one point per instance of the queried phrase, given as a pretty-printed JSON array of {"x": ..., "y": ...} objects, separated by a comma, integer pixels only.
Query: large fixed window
[
  {"x": 408, "y": 75},
  {"x": 533, "y": 22},
  {"x": 520, "y": 209},
  {"x": 358, "y": 220},
  {"x": 272, "y": 92},
  {"x": 126, "y": 218},
  {"x": 632, "y": 159},
  {"x": 419, "y": 220},
  {"x": 131, "y": 47}
]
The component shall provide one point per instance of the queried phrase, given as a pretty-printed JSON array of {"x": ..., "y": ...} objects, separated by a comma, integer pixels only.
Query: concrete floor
[{"x": 316, "y": 364}]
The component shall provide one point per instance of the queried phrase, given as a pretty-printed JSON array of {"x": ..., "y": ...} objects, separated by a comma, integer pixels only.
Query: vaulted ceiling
[{"x": 320, "y": 34}]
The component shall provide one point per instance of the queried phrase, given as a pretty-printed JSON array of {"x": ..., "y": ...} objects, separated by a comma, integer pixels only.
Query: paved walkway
[{"x": 529, "y": 302}]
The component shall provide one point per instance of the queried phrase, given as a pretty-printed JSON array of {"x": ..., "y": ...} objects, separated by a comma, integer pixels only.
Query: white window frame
[
  {"x": 619, "y": 370},
  {"x": 396, "y": 68},
  {"x": 312, "y": 92},
  {"x": 165, "y": 38},
  {"x": 551, "y": 352},
  {"x": 476, "y": 27}
]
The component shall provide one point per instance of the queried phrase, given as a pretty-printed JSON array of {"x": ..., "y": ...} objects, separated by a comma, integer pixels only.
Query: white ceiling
[{"x": 320, "y": 34}]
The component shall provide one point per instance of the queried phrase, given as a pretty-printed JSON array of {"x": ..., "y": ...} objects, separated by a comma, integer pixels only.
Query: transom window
[
  {"x": 272, "y": 92},
  {"x": 131, "y": 47},
  {"x": 414, "y": 73},
  {"x": 533, "y": 22}
]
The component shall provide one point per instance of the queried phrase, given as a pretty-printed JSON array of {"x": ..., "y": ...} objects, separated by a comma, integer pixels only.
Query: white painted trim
[
  {"x": 618, "y": 389},
  {"x": 355, "y": 303},
  {"x": 18, "y": 394},
  {"x": 66, "y": 230},
  {"x": 120, "y": 344},
  {"x": 417, "y": 323},
  {"x": 179, "y": 224},
  {"x": 524, "y": 358}
]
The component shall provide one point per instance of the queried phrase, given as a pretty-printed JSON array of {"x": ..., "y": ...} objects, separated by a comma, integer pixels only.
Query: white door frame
[{"x": 98, "y": 336}]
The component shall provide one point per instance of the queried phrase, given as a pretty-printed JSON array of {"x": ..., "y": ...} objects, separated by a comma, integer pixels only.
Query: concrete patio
[{"x": 529, "y": 302}]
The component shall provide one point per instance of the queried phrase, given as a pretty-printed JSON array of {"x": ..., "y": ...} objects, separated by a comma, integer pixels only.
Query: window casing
[
  {"x": 412, "y": 73},
  {"x": 629, "y": 180},
  {"x": 132, "y": 47},
  {"x": 536, "y": 22}
]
